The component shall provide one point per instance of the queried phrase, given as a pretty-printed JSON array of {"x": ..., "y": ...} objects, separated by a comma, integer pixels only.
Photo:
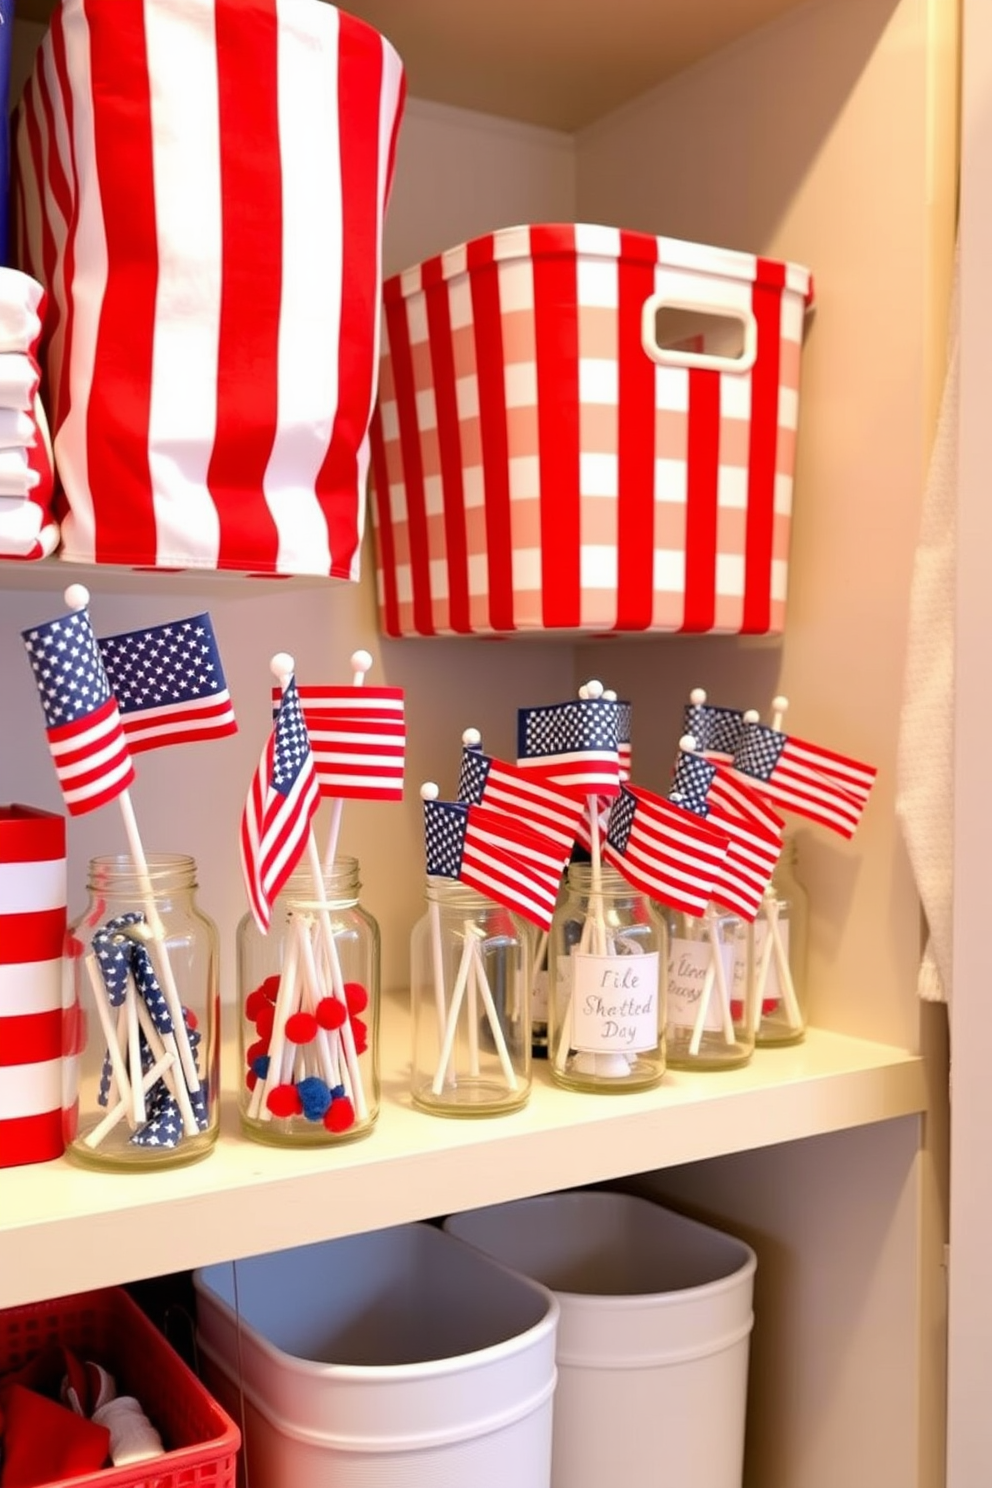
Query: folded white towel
[
  {"x": 28, "y": 528},
  {"x": 19, "y": 378},
  {"x": 16, "y": 428},
  {"x": 22, "y": 304}
]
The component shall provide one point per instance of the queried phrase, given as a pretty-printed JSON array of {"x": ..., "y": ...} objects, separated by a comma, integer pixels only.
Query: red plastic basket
[{"x": 200, "y": 1439}]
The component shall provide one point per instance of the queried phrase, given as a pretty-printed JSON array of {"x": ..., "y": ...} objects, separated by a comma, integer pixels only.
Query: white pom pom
[
  {"x": 697, "y": 697},
  {"x": 77, "y": 596},
  {"x": 282, "y": 666},
  {"x": 429, "y": 791}
]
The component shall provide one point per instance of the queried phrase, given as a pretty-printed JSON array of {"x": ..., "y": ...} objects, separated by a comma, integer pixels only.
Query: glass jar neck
[
  {"x": 338, "y": 885},
  {"x": 450, "y": 893},
  {"x": 122, "y": 876},
  {"x": 610, "y": 882}
]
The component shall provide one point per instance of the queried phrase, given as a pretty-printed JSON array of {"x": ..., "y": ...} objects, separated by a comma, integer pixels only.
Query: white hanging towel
[{"x": 924, "y": 783}]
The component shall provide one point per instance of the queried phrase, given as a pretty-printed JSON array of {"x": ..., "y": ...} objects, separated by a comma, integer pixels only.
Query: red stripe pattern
[
  {"x": 202, "y": 193},
  {"x": 544, "y": 461},
  {"x": 32, "y": 934}
]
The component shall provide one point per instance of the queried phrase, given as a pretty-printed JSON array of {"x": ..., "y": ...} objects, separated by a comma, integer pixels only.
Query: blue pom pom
[
  {"x": 316, "y": 1097},
  {"x": 337, "y": 1091},
  {"x": 261, "y": 1066}
]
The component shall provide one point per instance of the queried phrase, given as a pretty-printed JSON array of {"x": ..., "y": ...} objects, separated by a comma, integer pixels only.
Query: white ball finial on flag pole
[
  {"x": 472, "y": 738},
  {"x": 779, "y": 708},
  {"x": 77, "y": 596},
  {"x": 697, "y": 697}
]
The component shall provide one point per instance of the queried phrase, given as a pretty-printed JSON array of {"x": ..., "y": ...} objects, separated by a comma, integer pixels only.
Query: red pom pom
[
  {"x": 284, "y": 1100},
  {"x": 768, "y": 1005},
  {"x": 266, "y": 1021},
  {"x": 736, "y": 1010},
  {"x": 191, "y": 1019},
  {"x": 331, "y": 1013},
  {"x": 251, "y": 1079},
  {"x": 254, "y": 1003},
  {"x": 356, "y": 997},
  {"x": 255, "y": 1051},
  {"x": 301, "y": 1028},
  {"x": 270, "y": 988},
  {"x": 361, "y": 1034},
  {"x": 339, "y": 1115}
]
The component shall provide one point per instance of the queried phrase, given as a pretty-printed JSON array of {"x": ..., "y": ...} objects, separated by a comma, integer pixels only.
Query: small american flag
[
  {"x": 169, "y": 683},
  {"x": 625, "y": 713},
  {"x": 576, "y": 743},
  {"x": 825, "y": 787},
  {"x": 529, "y": 794},
  {"x": 663, "y": 850},
  {"x": 458, "y": 847},
  {"x": 82, "y": 720},
  {"x": 358, "y": 738},
  {"x": 281, "y": 801},
  {"x": 691, "y": 781},
  {"x": 715, "y": 730},
  {"x": 755, "y": 836}
]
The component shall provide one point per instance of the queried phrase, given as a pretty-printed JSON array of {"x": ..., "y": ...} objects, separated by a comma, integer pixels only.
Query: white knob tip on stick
[
  {"x": 361, "y": 662},
  {"x": 594, "y": 689},
  {"x": 697, "y": 697},
  {"x": 77, "y": 596},
  {"x": 471, "y": 738},
  {"x": 429, "y": 791},
  {"x": 688, "y": 743},
  {"x": 282, "y": 666},
  {"x": 610, "y": 695},
  {"x": 752, "y": 715},
  {"x": 779, "y": 708}
]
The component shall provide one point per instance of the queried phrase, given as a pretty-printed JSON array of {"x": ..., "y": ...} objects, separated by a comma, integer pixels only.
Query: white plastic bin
[
  {"x": 653, "y": 1337},
  {"x": 395, "y": 1359}
]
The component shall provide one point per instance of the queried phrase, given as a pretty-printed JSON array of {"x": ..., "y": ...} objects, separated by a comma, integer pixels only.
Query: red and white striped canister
[
  {"x": 32, "y": 936},
  {"x": 200, "y": 185}
]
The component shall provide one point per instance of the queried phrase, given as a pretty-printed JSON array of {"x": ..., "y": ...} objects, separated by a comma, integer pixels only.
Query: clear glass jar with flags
[
  {"x": 308, "y": 992},
  {"x": 470, "y": 980},
  {"x": 606, "y": 1005},
  {"x": 711, "y": 1016},
  {"x": 142, "y": 1063},
  {"x": 780, "y": 933}
]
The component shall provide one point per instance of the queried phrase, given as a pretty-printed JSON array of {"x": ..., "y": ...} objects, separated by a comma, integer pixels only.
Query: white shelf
[{"x": 64, "y": 1229}]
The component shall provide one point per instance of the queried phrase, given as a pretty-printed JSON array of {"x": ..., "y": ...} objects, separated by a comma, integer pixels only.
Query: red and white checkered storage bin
[
  {"x": 200, "y": 186},
  {"x": 545, "y": 458},
  {"x": 33, "y": 1029}
]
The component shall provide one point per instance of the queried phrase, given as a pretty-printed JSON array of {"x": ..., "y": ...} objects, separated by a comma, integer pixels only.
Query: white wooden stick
[
  {"x": 457, "y": 996},
  {"x": 108, "y": 1027},
  {"x": 104, "y": 1127},
  {"x": 492, "y": 1014},
  {"x": 327, "y": 1059},
  {"x": 285, "y": 997}
]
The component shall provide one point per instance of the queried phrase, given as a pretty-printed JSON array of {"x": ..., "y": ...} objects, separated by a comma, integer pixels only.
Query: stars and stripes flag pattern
[
  {"x": 358, "y": 739},
  {"x": 169, "y": 683},
  {"x": 625, "y": 713},
  {"x": 82, "y": 719},
  {"x": 753, "y": 830},
  {"x": 279, "y": 807},
  {"x": 530, "y": 795},
  {"x": 828, "y": 788},
  {"x": 663, "y": 850},
  {"x": 461, "y": 842},
  {"x": 716, "y": 730},
  {"x": 575, "y": 743}
]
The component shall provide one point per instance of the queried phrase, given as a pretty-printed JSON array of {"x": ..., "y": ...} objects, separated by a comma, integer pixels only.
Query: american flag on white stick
[
  {"x": 530, "y": 795},
  {"x": 169, "y": 683},
  {"x": 358, "y": 738},
  {"x": 816, "y": 783},
  {"x": 575, "y": 743},
  {"x": 663, "y": 850},
  {"x": 755, "y": 844},
  {"x": 281, "y": 801},
  {"x": 458, "y": 847}
]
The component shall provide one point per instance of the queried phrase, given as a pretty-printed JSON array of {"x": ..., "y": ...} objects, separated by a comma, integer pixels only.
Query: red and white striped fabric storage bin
[
  {"x": 200, "y": 185},
  {"x": 543, "y": 459},
  {"x": 32, "y": 935}
]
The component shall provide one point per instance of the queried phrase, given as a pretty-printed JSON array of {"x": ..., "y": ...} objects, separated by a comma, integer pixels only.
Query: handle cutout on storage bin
[{"x": 685, "y": 333}]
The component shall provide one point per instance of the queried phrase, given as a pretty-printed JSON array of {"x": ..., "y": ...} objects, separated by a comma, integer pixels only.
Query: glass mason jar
[
  {"x": 308, "y": 993},
  {"x": 470, "y": 986},
  {"x": 780, "y": 933},
  {"x": 711, "y": 1016},
  {"x": 606, "y": 1026},
  {"x": 142, "y": 961}
]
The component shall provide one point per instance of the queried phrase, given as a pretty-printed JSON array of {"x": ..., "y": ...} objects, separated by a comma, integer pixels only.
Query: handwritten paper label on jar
[
  {"x": 688, "y": 963},
  {"x": 614, "y": 1003}
]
